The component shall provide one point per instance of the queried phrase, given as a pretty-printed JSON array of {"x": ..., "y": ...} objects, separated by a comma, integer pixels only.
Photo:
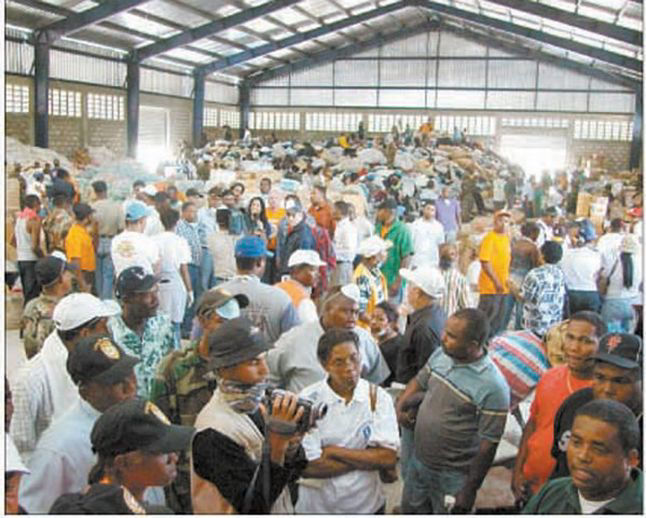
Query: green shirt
[
  {"x": 559, "y": 496},
  {"x": 402, "y": 242}
]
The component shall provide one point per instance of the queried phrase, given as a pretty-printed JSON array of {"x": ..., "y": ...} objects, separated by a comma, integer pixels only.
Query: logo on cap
[
  {"x": 153, "y": 409},
  {"x": 107, "y": 348},
  {"x": 613, "y": 342},
  {"x": 131, "y": 502}
]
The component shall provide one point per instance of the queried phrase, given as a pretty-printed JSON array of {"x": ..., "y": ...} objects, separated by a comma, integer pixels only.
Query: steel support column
[
  {"x": 132, "y": 108},
  {"x": 41, "y": 86},
  {"x": 198, "y": 108},
  {"x": 636, "y": 144},
  {"x": 245, "y": 101}
]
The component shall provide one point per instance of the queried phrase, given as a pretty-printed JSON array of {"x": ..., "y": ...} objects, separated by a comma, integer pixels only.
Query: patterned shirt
[
  {"x": 56, "y": 226},
  {"x": 37, "y": 322},
  {"x": 368, "y": 280},
  {"x": 543, "y": 292},
  {"x": 456, "y": 295},
  {"x": 155, "y": 342},
  {"x": 190, "y": 232},
  {"x": 180, "y": 391}
]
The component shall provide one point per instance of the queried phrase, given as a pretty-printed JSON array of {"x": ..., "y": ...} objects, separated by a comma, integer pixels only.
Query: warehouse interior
[{"x": 563, "y": 76}]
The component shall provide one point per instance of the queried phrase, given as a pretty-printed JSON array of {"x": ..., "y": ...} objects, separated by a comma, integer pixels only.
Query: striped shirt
[
  {"x": 464, "y": 404},
  {"x": 522, "y": 359},
  {"x": 456, "y": 294}
]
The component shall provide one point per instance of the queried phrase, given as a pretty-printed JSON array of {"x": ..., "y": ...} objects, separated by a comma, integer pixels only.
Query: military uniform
[
  {"x": 37, "y": 322},
  {"x": 56, "y": 225},
  {"x": 180, "y": 391}
]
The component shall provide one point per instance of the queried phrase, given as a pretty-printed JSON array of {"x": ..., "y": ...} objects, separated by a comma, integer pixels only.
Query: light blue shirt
[{"x": 62, "y": 459}]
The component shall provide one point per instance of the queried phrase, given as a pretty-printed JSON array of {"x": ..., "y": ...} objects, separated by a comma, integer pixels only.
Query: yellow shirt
[
  {"x": 495, "y": 249},
  {"x": 343, "y": 142},
  {"x": 78, "y": 244}
]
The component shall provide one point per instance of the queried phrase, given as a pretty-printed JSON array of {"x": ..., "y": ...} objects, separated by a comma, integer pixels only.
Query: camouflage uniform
[
  {"x": 180, "y": 391},
  {"x": 56, "y": 225},
  {"x": 37, "y": 322}
]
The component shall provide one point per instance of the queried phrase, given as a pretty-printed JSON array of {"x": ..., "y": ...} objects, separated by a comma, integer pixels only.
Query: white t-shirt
[
  {"x": 153, "y": 224},
  {"x": 133, "y": 249},
  {"x": 580, "y": 267},
  {"x": 473, "y": 275},
  {"x": 173, "y": 251},
  {"x": 609, "y": 244},
  {"x": 427, "y": 237},
  {"x": 590, "y": 507},
  {"x": 345, "y": 240},
  {"x": 616, "y": 288},
  {"x": 499, "y": 189}
]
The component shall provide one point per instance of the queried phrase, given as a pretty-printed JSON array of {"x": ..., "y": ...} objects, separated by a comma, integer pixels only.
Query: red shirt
[{"x": 553, "y": 388}]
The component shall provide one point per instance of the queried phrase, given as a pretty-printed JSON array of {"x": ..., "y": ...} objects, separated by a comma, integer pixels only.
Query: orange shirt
[
  {"x": 495, "y": 249},
  {"x": 274, "y": 217},
  {"x": 78, "y": 245},
  {"x": 554, "y": 387},
  {"x": 295, "y": 290},
  {"x": 323, "y": 217}
]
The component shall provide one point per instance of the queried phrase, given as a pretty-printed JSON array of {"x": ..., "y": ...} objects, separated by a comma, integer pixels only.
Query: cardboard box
[{"x": 583, "y": 202}]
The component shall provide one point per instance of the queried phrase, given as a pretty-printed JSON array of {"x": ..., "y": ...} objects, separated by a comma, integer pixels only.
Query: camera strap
[{"x": 248, "y": 496}]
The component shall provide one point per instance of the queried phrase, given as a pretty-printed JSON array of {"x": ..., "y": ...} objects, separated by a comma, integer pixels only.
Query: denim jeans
[
  {"x": 177, "y": 335},
  {"x": 425, "y": 488},
  {"x": 104, "y": 276},
  {"x": 584, "y": 301},
  {"x": 30, "y": 285},
  {"x": 450, "y": 236},
  {"x": 196, "y": 283},
  {"x": 406, "y": 451},
  {"x": 206, "y": 270}
]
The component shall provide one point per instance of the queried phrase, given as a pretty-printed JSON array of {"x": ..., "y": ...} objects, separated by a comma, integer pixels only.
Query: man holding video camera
[{"x": 247, "y": 448}]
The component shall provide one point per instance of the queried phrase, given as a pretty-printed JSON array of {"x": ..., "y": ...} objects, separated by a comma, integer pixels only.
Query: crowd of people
[{"x": 224, "y": 352}]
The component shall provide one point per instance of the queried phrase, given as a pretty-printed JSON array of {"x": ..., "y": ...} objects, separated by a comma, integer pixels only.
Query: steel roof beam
[
  {"x": 261, "y": 50},
  {"x": 550, "y": 39},
  {"x": 579, "y": 21},
  {"x": 77, "y": 21},
  {"x": 213, "y": 27},
  {"x": 331, "y": 55}
]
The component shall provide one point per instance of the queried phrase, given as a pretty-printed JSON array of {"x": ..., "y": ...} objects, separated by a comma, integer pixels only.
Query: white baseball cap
[
  {"x": 79, "y": 308},
  {"x": 372, "y": 245},
  {"x": 13, "y": 462},
  {"x": 150, "y": 190},
  {"x": 427, "y": 278},
  {"x": 310, "y": 257}
]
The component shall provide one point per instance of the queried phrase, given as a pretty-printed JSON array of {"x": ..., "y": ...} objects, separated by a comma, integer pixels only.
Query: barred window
[
  {"x": 535, "y": 122},
  {"x": 16, "y": 98},
  {"x": 475, "y": 125},
  {"x": 64, "y": 103},
  {"x": 587, "y": 129},
  {"x": 105, "y": 107},
  {"x": 210, "y": 117},
  {"x": 230, "y": 118}
]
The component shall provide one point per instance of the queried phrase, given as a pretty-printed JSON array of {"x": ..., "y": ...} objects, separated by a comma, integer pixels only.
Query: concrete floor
[{"x": 494, "y": 493}]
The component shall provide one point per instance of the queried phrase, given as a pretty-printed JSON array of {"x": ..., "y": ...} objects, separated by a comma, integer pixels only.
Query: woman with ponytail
[{"x": 624, "y": 272}]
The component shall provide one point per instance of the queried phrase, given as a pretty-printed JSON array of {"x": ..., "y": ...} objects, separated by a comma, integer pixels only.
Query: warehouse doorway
[
  {"x": 535, "y": 153},
  {"x": 152, "y": 146}
]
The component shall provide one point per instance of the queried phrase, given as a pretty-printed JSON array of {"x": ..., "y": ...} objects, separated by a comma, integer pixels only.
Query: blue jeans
[
  {"x": 196, "y": 282},
  {"x": 584, "y": 301},
  {"x": 425, "y": 488},
  {"x": 177, "y": 335},
  {"x": 406, "y": 451},
  {"x": 450, "y": 236},
  {"x": 104, "y": 276},
  {"x": 207, "y": 270}
]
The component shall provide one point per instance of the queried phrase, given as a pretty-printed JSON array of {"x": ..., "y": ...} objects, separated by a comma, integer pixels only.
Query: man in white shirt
[
  {"x": 292, "y": 362},
  {"x": 153, "y": 222},
  {"x": 345, "y": 243},
  {"x": 303, "y": 275},
  {"x": 499, "y": 193},
  {"x": 608, "y": 245},
  {"x": 43, "y": 388},
  {"x": 63, "y": 457},
  {"x": 545, "y": 226},
  {"x": 132, "y": 247},
  {"x": 428, "y": 234}
]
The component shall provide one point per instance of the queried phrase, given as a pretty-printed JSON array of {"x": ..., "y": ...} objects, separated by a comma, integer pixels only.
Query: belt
[{"x": 106, "y": 236}]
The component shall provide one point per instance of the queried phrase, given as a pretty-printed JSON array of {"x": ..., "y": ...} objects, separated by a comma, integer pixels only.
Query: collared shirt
[
  {"x": 62, "y": 460},
  {"x": 42, "y": 392},
  {"x": 402, "y": 242},
  {"x": 345, "y": 241},
  {"x": 293, "y": 363},
  {"x": 222, "y": 245},
  {"x": 37, "y": 323},
  {"x": 372, "y": 287},
  {"x": 456, "y": 293},
  {"x": 206, "y": 224},
  {"x": 189, "y": 231},
  {"x": 427, "y": 236},
  {"x": 448, "y": 213},
  {"x": 464, "y": 404},
  {"x": 56, "y": 226},
  {"x": 543, "y": 293},
  {"x": 560, "y": 496},
  {"x": 270, "y": 308},
  {"x": 78, "y": 245},
  {"x": 350, "y": 425},
  {"x": 155, "y": 342}
]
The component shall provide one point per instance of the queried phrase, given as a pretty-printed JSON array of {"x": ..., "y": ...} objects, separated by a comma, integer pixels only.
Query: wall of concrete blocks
[{"x": 614, "y": 155}]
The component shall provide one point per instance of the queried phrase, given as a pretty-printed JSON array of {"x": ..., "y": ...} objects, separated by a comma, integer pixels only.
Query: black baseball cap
[
  {"x": 621, "y": 349},
  {"x": 234, "y": 342},
  {"x": 50, "y": 268},
  {"x": 98, "y": 358},
  {"x": 135, "y": 279},
  {"x": 82, "y": 210},
  {"x": 194, "y": 192},
  {"x": 137, "y": 424},
  {"x": 388, "y": 203}
]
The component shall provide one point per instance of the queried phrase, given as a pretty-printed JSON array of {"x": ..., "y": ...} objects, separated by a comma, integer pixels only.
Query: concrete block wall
[
  {"x": 616, "y": 153},
  {"x": 111, "y": 134},
  {"x": 65, "y": 134},
  {"x": 19, "y": 126}
]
